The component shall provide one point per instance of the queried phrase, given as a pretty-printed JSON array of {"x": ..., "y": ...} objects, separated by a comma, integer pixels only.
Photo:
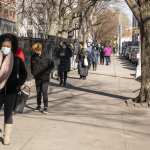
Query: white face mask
[{"x": 6, "y": 50}]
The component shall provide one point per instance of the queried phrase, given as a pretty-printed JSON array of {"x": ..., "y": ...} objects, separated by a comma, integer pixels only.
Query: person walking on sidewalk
[
  {"x": 107, "y": 54},
  {"x": 64, "y": 55},
  {"x": 95, "y": 58},
  {"x": 82, "y": 59},
  {"x": 41, "y": 67},
  {"x": 89, "y": 54},
  {"x": 12, "y": 76},
  {"x": 101, "y": 51}
]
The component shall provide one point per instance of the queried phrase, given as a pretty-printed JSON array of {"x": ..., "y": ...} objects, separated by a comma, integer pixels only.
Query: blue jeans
[{"x": 107, "y": 58}]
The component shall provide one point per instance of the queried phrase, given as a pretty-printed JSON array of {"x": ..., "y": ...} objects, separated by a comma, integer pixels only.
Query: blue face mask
[{"x": 6, "y": 50}]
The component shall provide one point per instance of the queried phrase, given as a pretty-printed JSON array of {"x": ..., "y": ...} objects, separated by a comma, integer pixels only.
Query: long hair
[{"x": 12, "y": 38}]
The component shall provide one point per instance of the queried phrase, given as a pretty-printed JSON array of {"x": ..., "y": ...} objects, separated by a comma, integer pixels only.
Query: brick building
[{"x": 7, "y": 16}]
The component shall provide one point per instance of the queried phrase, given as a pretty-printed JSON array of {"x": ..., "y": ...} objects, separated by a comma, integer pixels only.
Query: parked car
[
  {"x": 128, "y": 53},
  {"x": 134, "y": 56}
]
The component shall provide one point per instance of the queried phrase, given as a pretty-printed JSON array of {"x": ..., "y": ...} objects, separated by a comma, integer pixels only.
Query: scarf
[{"x": 6, "y": 66}]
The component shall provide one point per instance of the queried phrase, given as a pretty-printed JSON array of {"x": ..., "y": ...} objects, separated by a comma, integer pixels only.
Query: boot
[
  {"x": 7, "y": 133},
  {"x": 65, "y": 84},
  {"x": 1, "y": 140},
  {"x": 61, "y": 82}
]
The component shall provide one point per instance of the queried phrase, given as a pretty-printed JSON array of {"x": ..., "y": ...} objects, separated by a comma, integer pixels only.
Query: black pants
[
  {"x": 101, "y": 60},
  {"x": 42, "y": 91},
  {"x": 94, "y": 66},
  {"x": 8, "y": 101},
  {"x": 63, "y": 76}
]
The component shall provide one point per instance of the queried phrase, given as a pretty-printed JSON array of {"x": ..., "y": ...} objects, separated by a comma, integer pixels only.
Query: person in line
[
  {"x": 21, "y": 54},
  {"x": 89, "y": 54},
  {"x": 101, "y": 51},
  {"x": 13, "y": 74},
  {"x": 95, "y": 58},
  {"x": 75, "y": 52},
  {"x": 41, "y": 67},
  {"x": 107, "y": 54},
  {"x": 82, "y": 59},
  {"x": 64, "y": 55}
]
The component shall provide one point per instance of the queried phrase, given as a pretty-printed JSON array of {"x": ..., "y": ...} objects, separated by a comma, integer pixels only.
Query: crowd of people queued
[{"x": 13, "y": 73}]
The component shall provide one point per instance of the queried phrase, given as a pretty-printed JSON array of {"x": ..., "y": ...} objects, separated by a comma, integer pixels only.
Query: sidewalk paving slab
[{"x": 87, "y": 115}]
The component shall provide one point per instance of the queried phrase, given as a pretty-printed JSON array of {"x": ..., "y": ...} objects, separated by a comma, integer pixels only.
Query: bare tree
[
  {"x": 141, "y": 10},
  {"x": 106, "y": 26}
]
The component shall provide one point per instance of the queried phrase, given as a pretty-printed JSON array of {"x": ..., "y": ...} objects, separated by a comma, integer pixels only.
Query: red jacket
[{"x": 21, "y": 54}]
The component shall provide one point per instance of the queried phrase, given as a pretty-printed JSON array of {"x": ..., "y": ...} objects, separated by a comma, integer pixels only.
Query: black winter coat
[
  {"x": 41, "y": 67},
  {"x": 17, "y": 77},
  {"x": 64, "y": 56}
]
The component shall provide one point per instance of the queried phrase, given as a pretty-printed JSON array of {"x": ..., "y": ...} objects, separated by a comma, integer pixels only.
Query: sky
[{"x": 123, "y": 7}]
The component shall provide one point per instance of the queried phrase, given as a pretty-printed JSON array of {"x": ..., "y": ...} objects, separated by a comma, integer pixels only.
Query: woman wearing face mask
[
  {"x": 82, "y": 67},
  {"x": 12, "y": 76}
]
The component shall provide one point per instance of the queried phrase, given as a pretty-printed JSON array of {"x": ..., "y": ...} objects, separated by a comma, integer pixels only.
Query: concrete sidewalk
[{"x": 88, "y": 115}]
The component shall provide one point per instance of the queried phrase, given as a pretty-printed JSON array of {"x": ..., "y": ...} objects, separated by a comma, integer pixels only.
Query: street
[{"x": 87, "y": 115}]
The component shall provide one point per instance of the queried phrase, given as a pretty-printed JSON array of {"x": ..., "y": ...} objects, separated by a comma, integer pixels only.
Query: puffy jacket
[
  {"x": 95, "y": 56},
  {"x": 64, "y": 56},
  {"x": 107, "y": 51},
  {"x": 41, "y": 67},
  {"x": 17, "y": 77}
]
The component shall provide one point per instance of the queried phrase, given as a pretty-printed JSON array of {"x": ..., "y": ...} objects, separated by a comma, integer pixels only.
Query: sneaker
[
  {"x": 45, "y": 111},
  {"x": 38, "y": 108},
  {"x": 84, "y": 78}
]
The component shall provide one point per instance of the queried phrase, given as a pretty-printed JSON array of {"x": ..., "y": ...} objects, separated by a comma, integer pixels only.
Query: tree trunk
[
  {"x": 141, "y": 10},
  {"x": 144, "y": 95}
]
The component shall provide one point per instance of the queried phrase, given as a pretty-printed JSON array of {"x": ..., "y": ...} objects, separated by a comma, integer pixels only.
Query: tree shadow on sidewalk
[
  {"x": 57, "y": 102},
  {"x": 109, "y": 75},
  {"x": 126, "y": 64},
  {"x": 29, "y": 104},
  {"x": 85, "y": 89},
  {"x": 74, "y": 107},
  {"x": 70, "y": 86}
]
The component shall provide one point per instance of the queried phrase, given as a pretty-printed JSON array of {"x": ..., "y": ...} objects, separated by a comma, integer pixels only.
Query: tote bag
[{"x": 86, "y": 62}]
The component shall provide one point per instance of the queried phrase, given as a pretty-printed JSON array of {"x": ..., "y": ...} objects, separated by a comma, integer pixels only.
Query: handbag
[
  {"x": 21, "y": 99},
  {"x": 86, "y": 62}
]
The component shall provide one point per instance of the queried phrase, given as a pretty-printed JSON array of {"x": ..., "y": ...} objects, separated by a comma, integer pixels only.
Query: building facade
[
  {"x": 135, "y": 31},
  {"x": 33, "y": 21},
  {"x": 7, "y": 16}
]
